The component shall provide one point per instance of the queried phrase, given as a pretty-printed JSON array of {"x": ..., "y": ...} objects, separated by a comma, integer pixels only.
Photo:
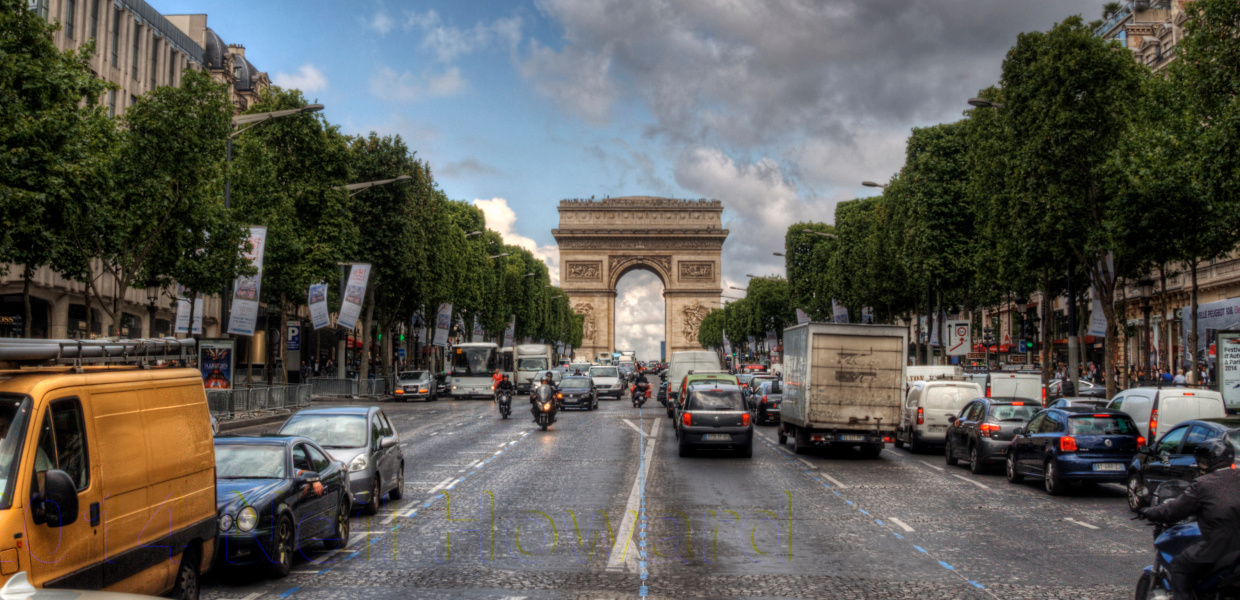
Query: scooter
[
  {"x": 504, "y": 400},
  {"x": 1170, "y": 541},
  {"x": 640, "y": 393},
  {"x": 545, "y": 404}
]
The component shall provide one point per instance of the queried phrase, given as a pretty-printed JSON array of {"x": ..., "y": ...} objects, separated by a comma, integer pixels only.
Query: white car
[
  {"x": 607, "y": 381},
  {"x": 18, "y": 588}
]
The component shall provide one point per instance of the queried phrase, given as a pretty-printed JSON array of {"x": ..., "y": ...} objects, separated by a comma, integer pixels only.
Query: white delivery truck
[
  {"x": 532, "y": 360},
  {"x": 843, "y": 385}
]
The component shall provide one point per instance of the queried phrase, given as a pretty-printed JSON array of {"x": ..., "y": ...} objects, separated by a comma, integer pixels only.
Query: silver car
[
  {"x": 363, "y": 439},
  {"x": 416, "y": 385}
]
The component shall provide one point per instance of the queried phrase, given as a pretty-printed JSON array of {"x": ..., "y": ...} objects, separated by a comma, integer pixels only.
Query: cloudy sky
[{"x": 779, "y": 108}]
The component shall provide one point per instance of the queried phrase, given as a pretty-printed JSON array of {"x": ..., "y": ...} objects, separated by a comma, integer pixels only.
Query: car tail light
[
  {"x": 1154, "y": 423},
  {"x": 686, "y": 420},
  {"x": 1101, "y": 416},
  {"x": 745, "y": 420},
  {"x": 887, "y": 440},
  {"x": 1067, "y": 443},
  {"x": 1043, "y": 396},
  {"x": 988, "y": 429},
  {"x": 988, "y": 391},
  {"x": 921, "y": 416},
  {"x": 1189, "y": 394},
  {"x": 763, "y": 399},
  {"x": 1140, "y": 441},
  {"x": 1018, "y": 404}
]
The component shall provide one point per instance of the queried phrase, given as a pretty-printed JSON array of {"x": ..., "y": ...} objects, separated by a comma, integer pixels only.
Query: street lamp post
[
  {"x": 820, "y": 233},
  {"x": 1147, "y": 292},
  {"x": 249, "y": 121},
  {"x": 152, "y": 296},
  {"x": 499, "y": 256},
  {"x": 777, "y": 253},
  {"x": 984, "y": 103}
]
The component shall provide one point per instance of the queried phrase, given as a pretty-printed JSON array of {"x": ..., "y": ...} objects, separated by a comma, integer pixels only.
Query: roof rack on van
[{"x": 25, "y": 352}]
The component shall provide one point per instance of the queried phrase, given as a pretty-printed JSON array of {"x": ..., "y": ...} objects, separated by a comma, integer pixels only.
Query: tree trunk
[
  {"x": 1047, "y": 337},
  {"x": 386, "y": 349},
  {"x": 1165, "y": 325},
  {"x": 1193, "y": 333},
  {"x": 364, "y": 353},
  {"x": 27, "y": 273}
]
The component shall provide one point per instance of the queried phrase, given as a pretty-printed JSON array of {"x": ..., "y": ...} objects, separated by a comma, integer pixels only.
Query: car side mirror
[
  {"x": 1164, "y": 456},
  {"x": 307, "y": 478},
  {"x": 387, "y": 442},
  {"x": 951, "y": 419},
  {"x": 56, "y": 505}
]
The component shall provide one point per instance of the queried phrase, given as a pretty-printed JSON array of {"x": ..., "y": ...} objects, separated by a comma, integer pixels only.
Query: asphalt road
[{"x": 499, "y": 509}]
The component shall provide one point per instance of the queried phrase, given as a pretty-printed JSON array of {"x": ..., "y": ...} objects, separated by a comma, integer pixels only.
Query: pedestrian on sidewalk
[{"x": 1180, "y": 379}]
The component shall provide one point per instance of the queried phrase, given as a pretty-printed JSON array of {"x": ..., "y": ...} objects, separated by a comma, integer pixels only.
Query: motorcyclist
[
  {"x": 504, "y": 385},
  {"x": 1214, "y": 498}
]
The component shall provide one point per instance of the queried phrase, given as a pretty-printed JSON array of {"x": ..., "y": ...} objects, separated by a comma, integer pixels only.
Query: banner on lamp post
[
  {"x": 478, "y": 333},
  {"x": 184, "y": 308},
  {"x": 443, "y": 323},
  {"x": 510, "y": 332},
  {"x": 841, "y": 313},
  {"x": 197, "y": 324},
  {"x": 247, "y": 290},
  {"x": 802, "y": 317},
  {"x": 354, "y": 295},
  {"x": 317, "y": 301}
]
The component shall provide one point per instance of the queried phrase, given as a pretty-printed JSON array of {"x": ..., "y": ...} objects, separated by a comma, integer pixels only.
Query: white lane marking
[
  {"x": 440, "y": 485},
  {"x": 503, "y": 444},
  {"x": 939, "y": 469},
  {"x": 469, "y": 466},
  {"x": 835, "y": 481},
  {"x": 978, "y": 484},
  {"x": 453, "y": 484},
  {"x": 812, "y": 466},
  {"x": 902, "y": 524},
  {"x": 498, "y": 452},
  {"x": 635, "y": 427},
  {"x": 256, "y": 595},
  {"x": 434, "y": 433},
  {"x": 1081, "y": 523},
  {"x": 624, "y": 558}
]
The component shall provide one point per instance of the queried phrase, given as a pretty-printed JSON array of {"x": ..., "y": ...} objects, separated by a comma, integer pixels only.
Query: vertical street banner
[
  {"x": 771, "y": 339},
  {"x": 443, "y": 324},
  {"x": 197, "y": 322},
  {"x": 354, "y": 295},
  {"x": 317, "y": 301},
  {"x": 841, "y": 313},
  {"x": 867, "y": 315},
  {"x": 1097, "y": 319},
  {"x": 727, "y": 346},
  {"x": 216, "y": 360},
  {"x": 1229, "y": 368},
  {"x": 246, "y": 290},
  {"x": 510, "y": 333},
  {"x": 184, "y": 308},
  {"x": 478, "y": 333},
  {"x": 959, "y": 338},
  {"x": 802, "y": 317}
]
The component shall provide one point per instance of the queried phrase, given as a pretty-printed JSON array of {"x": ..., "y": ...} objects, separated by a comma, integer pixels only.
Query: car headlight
[
  {"x": 226, "y": 522},
  {"x": 247, "y": 519},
  {"x": 359, "y": 463}
]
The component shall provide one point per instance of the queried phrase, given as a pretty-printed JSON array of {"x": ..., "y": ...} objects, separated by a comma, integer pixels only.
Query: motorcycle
[
  {"x": 546, "y": 402},
  {"x": 504, "y": 400},
  {"x": 1170, "y": 541},
  {"x": 640, "y": 393}
]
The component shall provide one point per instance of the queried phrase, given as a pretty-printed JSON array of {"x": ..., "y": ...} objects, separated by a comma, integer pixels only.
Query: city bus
[{"x": 472, "y": 367}]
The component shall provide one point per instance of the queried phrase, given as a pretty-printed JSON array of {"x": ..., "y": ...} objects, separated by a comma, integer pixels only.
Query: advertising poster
[
  {"x": 959, "y": 338},
  {"x": 867, "y": 315},
  {"x": 1097, "y": 319},
  {"x": 802, "y": 317},
  {"x": 478, "y": 333},
  {"x": 354, "y": 295},
  {"x": 1229, "y": 368},
  {"x": 510, "y": 332},
  {"x": 771, "y": 339},
  {"x": 443, "y": 323},
  {"x": 317, "y": 301},
  {"x": 216, "y": 360},
  {"x": 841, "y": 313},
  {"x": 246, "y": 290}
]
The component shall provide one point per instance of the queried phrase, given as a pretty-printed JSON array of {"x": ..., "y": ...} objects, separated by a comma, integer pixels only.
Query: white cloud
[
  {"x": 381, "y": 22},
  {"x": 308, "y": 78},
  {"x": 640, "y": 314},
  {"x": 388, "y": 84},
  {"x": 449, "y": 42},
  {"x": 581, "y": 82},
  {"x": 503, "y": 220}
]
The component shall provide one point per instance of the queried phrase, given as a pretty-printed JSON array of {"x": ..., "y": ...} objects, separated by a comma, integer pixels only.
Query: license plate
[
  {"x": 1108, "y": 466},
  {"x": 717, "y": 437},
  {"x": 938, "y": 427},
  {"x": 852, "y": 438}
]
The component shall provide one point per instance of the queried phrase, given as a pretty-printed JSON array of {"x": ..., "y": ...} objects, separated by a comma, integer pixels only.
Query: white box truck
[
  {"x": 843, "y": 385},
  {"x": 532, "y": 360}
]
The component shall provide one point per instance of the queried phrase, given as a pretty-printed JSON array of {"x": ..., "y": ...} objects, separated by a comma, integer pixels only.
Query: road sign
[
  {"x": 400, "y": 352},
  {"x": 1016, "y": 359},
  {"x": 977, "y": 356},
  {"x": 959, "y": 339},
  {"x": 294, "y": 335}
]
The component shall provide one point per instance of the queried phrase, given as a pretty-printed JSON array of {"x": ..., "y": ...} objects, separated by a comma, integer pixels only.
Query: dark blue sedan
[
  {"x": 1073, "y": 445},
  {"x": 275, "y": 496}
]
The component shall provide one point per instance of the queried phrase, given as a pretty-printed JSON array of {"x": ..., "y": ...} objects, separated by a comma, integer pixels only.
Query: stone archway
[{"x": 678, "y": 240}]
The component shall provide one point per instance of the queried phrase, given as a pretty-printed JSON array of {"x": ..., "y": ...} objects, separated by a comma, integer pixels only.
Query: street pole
[
  {"x": 1073, "y": 342},
  {"x": 226, "y": 295},
  {"x": 1145, "y": 341},
  {"x": 341, "y": 344}
]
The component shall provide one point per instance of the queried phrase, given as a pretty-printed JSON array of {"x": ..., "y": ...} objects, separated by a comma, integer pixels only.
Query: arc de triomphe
[{"x": 678, "y": 240}]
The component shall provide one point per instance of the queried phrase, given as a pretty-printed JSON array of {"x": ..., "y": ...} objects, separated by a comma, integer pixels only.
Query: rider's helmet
[
  {"x": 503, "y": 377},
  {"x": 1213, "y": 455},
  {"x": 547, "y": 378}
]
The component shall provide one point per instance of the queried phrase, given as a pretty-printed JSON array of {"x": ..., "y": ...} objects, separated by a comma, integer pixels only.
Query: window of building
[
  {"x": 111, "y": 103},
  {"x": 173, "y": 59},
  {"x": 154, "y": 61},
  {"x": 70, "y": 18},
  {"x": 116, "y": 36},
  {"x": 40, "y": 7},
  {"x": 133, "y": 100},
  {"x": 94, "y": 18},
  {"x": 133, "y": 54}
]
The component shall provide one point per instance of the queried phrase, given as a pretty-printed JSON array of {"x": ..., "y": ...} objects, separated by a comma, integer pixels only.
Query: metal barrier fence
[
  {"x": 351, "y": 388},
  {"x": 241, "y": 402}
]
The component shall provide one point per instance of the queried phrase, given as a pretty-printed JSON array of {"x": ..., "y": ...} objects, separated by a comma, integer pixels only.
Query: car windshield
[
  {"x": 473, "y": 361},
  {"x": 604, "y": 372},
  {"x": 1101, "y": 425},
  {"x": 715, "y": 400},
  {"x": 412, "y": 375},
  {"x": 575, "y": 383},
  {"x": 243, "y": 461},
  {"x": 1013, "y": 412},
  {"x": 14, "y": 412},
  {"x": 536, "y": 363},
  {"x": 329, "y": 431}
]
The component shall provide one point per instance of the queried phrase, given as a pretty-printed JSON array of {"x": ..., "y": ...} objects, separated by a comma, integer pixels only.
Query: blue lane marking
[
  {"x": 880, "y": 523},
  {"x": 289, "y": 592},
  {"x": 947, "y": 566},
  {"x": 898, "y": 536},
  {"x": 863, "y": 511},
  {"x": 921, "y": 550}
]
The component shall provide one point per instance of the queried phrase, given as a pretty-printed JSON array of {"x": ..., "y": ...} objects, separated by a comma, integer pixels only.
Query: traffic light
[{"x": 402, "y": 337}]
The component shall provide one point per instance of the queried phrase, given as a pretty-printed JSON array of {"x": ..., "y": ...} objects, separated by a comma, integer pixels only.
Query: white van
[
  {"x": 1159, "y": 409},
  {"x": 928, "y": 406},
  {"x": 1011, "y": 384},
  {"x": 689, "y": 360}
]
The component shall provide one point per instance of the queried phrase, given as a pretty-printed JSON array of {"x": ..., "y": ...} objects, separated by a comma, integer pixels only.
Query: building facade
[{"x": 138, "y": 49}]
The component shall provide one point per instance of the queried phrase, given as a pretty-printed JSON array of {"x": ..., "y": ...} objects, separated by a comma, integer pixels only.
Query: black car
[
  {"x": 1084, "y": 389},
  {"x": 984, "y": 429},
  {"x": 1077, "y": 402},
  {"x": 766, "y": 400},
  {"x": 714, "y": 416},
  {"x": 578, "y": 392},
  {"x": 275, "y": 496},
  {"x": 1172, "y": 456}
]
